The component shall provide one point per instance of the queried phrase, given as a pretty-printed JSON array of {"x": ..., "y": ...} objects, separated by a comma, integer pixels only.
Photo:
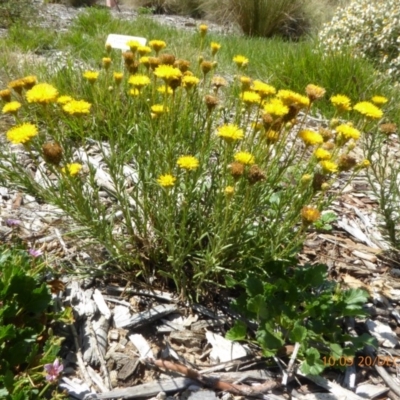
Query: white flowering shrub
[{"x": 371, "y": 29}]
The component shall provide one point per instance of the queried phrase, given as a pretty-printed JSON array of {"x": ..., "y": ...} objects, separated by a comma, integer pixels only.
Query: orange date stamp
[{"x": 362, "y": 361}]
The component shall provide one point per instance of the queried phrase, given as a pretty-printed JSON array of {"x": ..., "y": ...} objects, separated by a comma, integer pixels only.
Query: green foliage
[
  {"x": 17, "y": 11},
  {"x": 299, "y": 305},
  {"x": 324, "y": 223},
  {"x": 371, "y": 29},
  {"x": 25, "y": 343}
]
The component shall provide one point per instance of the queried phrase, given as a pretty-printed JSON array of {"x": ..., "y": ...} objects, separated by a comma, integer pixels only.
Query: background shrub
[
  {"x": 13, "y": 11},
  {"x": 371, "y": 29}
]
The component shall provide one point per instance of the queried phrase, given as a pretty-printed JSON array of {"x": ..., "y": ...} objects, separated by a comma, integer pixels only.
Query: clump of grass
[{"x": 210, "y": 175}]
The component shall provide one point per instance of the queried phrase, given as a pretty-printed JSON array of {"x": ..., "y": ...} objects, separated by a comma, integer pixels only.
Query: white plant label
[{"x": 120, "y": 41}]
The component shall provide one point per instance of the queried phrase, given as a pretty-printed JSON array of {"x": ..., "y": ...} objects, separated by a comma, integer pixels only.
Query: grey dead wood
[
  {"x": 143, "y": 318},
  {"x": 96, "y": 378},
  {"x": 157, "y": 294},
  {"x": 370, "y": 391},
  {"x": 203, "y": 395},
  {"x": 332, "y": 387},
  {"x": 224, "y": 349},
  {"x": 251, "y": 375},
  {"x": 146, "y": 389},
  {"x": 128, "y": 368},
  {"x": 75, "y": 388},
  {"x": 142, "y": 346}
]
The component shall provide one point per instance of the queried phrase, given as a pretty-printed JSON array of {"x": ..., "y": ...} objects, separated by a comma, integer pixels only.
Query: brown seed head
[
  {"x": 388, "y": 128},
  {"x": 52, "y": 153},
  {"x": 133, "y": 68},
  {"x": 5, "y": 95},
  {"x": 326, "y": 134},
  {"x": 154, "y": 62},
  {"x": 206, "y": 67},
  {"x": 182, "y": 65},
  {"x": 318, "y": 180},
  {"x": 167, "y": 59},
  {"x": 237, "y": 169},
  {"x": 174, "y": 83},
  {"x": 255, "y": 174},
  {"x": 314, "y": 92},
  {"x": 211, "y": 102},
  {"x": 129, "y": 58},
  {"x": 346, "y": 162}
]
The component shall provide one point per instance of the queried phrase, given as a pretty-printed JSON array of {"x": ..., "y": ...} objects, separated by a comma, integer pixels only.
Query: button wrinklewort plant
[
  {"x": 371, "y": 29},
  {"x": 210, "y": 175}
]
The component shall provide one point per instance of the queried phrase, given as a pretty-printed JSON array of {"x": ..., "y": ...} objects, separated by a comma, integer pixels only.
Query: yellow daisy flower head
[
  {"x": 322, "y": 154},
  {"x": 145, "y": 61},
  {"x": 309, "y": 215},
  {"x": 64, "y": 99},
  {"x": 143, "y": 50},
  {"x": 91, "y": 76},
  {"x": 166, "y": 180},
  {"x": 243, "y": 157},
  {"x": 29, "y": 81},
  {"x": 72, "y": 169},
  {"x": 134, "y": 92},
  {"x": 241, "y": 61},
  {"x": 167, "y": 72},
  {"x": 310, "y": 138},
  {"x": 22, "y": 133},
  {"x": 368, "y": 109},
  {"x": 291, "y": 98},
  {"x": 189, "y": 82},
  {"x": 272, "y": 136},
  {"x": 159, "y": 109},
  {"x": 189, "y": 163},
  {"x": 17, "y": 85},
  {"x": 314, "y": 92},
  {"x": 214, "y": 48},
  {"x": 165, "y": 89},
  {"x": 11, "y": 107},
  {"x": 139, "y": 81},
  {"x": 246, "y": 82},
  {"x": 250, "y": 98},
  {"x": 118, "y": 76},
  {"x": 379, "y": 100},
  {"x": 341, "y": 102},
  {"x": 106, "y": 61},
  {"x": 328, "y": 167},
  {"x": 346, "y": 132},
  {"x": 229, "y": 191},
  {"x": 276, "y": 108},
  {"x": 133, "y": 45},
  {"x": 263, "y": 89},
  {"x": 203, "y": 28},
  {"x": 230, "y": 133},
  {"x": 157, "y": 45},
  {"x": 42, "y": 93},
  {"x": 5, "y": 95},
  {"x": 364, "y": 164},
  {"x": 218, "y": 81},
  {"x": 77, "y": 107}
]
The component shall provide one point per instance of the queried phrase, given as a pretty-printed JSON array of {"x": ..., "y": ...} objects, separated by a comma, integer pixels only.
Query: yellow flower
[
  {"x": 276, "y": 108},
  {"x": 230, "y": 133},
  {"x": 310, "y": 138},
  {"x": 243, "y": 157},
  {"x": 272, "y": 136},
  {"x": 290, "y": 98},
  {"x": 203, "y": 28},
  {"x": 118, "y": 76},
  {"x": 72, "y": 169},
  {"x": 5, "y": 95},
  {"x": 91, "y": 76},
  {"x": 12, "y": 107},
  {"x": 341, "y": 102},
  {"x": 364, "y": 164},
  {"x": 379, "y": 100},
  {"x": 322, "y": 154},
  {"x": 241, "y": 61},
  {"x": 214, "y": 48},
  {"x": 139, "y": 81},
  {"x": 43, "y": 93},
  {"x": 246, "y": 83},
  {"x": 188, "y": 162},
  {"x": 306, "y": 178},
  {"x": 167, "y": 72},
  {"x": 77, "y": 107},
  {"x": 314, "y": 92},
  {"x": 250, "y": 98},
  {"x": 229, "y": 191},
  {"x": 134, "y": 92},
  {"x": 347, "y": 132},
  {"x": 106, "y": 62},
  {"x": 164, "y": 89},
  {"x": 143, "y": 50},
  {"x": 133, "y": 45},
  {"x": 22, "y": 133},
  {"x": 309, "y": 215},
  {"x": 328, "y": 166},
  {"x": 263, "y": 89},
  {"x": 368, "y": 109},
  {"x": 17, "y": 85},
  {"x": 64, "y": 99},
  {"x": 158, "y": 109},
  {"x": 157, "y": 45},
  {"x": 166, "y": 180},
  {"x": 218, "y": 81},
  {"x": 189, "y": 81},
  {"x": 29, "y": 81}
]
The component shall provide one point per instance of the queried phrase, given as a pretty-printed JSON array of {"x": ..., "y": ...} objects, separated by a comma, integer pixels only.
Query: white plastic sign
[{"x": 120, "y": 41}]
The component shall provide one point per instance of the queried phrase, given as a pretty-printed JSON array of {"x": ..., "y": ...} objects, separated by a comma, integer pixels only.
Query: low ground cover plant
[{"x": 29, "y": 367}]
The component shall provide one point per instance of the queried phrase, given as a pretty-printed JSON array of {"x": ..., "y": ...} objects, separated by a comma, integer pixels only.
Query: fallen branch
[{"x": 214, "y": 383}]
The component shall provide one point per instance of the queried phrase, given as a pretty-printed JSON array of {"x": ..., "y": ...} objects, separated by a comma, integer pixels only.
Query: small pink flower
[
  {"x": 12, "y": 222},
  {"x": 35, "y": 253},
  {"x": 53, "y": 370}
]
